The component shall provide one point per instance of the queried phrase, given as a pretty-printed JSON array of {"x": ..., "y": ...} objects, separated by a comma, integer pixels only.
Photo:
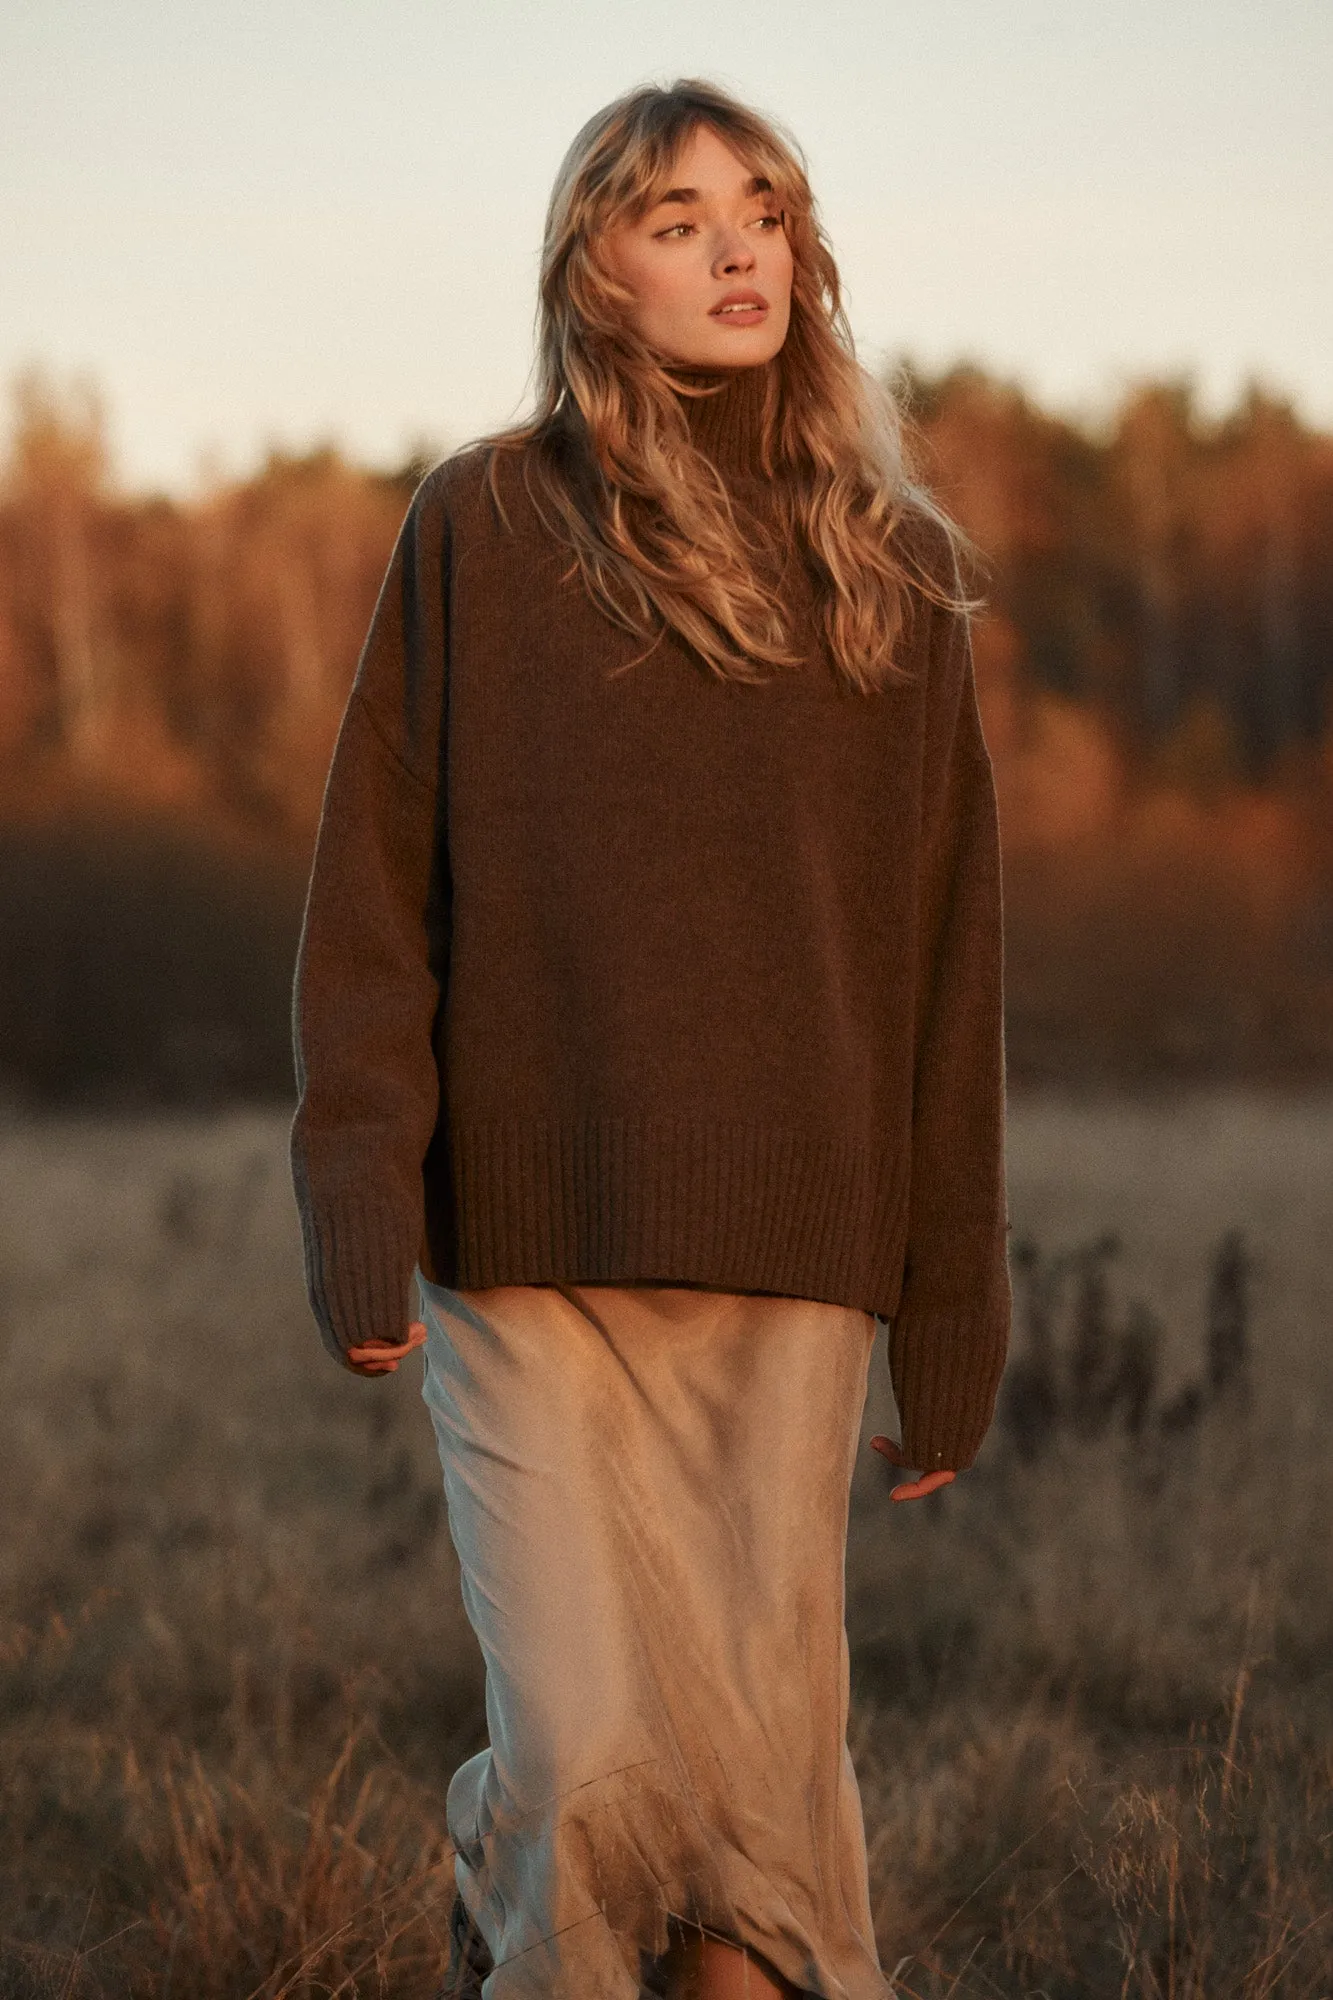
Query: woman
[{"x": 648, "y": 1018}]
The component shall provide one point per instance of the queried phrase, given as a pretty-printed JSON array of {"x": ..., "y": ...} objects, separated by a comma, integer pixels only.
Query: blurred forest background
[
  {"x": 1092, "y": 1711},
  {"x": 1155, "y": 669}
]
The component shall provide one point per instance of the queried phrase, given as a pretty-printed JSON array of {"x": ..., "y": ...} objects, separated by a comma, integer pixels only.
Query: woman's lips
[{"x": 743, "y": 309}]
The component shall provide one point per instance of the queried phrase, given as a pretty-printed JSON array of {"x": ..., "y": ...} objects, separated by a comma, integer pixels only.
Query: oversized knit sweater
[{"x": 653, "y": 977}]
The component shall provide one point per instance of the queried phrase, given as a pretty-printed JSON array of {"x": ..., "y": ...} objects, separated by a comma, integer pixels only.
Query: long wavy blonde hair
[{"x": 612, "y": 468}]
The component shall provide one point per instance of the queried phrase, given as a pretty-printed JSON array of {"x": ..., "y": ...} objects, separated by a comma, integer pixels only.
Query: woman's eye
[{"x": 770, "y": 222}]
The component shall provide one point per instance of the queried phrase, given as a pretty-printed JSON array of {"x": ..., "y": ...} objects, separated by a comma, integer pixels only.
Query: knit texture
[{"x": 652, "y": 977}]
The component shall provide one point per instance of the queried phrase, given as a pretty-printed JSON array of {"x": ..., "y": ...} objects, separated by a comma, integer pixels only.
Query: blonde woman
[{"x": 649, "y": 1022}]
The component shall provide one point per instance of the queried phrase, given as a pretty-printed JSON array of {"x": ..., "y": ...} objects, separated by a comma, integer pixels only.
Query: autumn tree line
[{"x": 1154, "y": 665}]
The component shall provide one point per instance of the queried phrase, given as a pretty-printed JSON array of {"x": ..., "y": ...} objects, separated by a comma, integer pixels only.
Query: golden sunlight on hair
[{"x": 615, "y": 472}]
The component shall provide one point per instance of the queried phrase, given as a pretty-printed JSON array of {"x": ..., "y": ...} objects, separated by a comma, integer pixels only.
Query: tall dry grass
[{"x": 1092, "y": 1687}]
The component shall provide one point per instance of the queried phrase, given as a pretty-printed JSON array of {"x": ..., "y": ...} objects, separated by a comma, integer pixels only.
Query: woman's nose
[{"x": 734, "y": 253}]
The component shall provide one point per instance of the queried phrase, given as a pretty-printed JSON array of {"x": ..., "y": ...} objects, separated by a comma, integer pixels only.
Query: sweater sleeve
[
  {"x": 949, "y": 1338},
  {"x": 370, "y": 965}
]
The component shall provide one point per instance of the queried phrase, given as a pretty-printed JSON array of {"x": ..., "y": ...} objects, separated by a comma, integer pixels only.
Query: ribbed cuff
[
  {"x": 946, "y": 1371},
  {"x": 360, "y": 1254}
]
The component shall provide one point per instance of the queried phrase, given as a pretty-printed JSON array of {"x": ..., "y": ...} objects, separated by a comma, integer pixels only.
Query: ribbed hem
[
  {"x": 359, "y": 1261},
  {"x": 946, "y": 1371},
  {"x": 622, "y": 1201}
]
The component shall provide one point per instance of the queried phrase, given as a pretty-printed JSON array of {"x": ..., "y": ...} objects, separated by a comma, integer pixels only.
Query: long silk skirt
[{"x": 648, "y": 1490}]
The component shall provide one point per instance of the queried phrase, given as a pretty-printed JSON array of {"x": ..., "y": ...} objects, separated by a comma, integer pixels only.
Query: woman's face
[{"x": 710, "y": 266}]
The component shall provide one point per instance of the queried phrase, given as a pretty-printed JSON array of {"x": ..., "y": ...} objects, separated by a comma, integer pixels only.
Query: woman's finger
[
  {"x": 918, "y": 1488},
  {"x": 388, "y": 1350},
  {"x": 910, "y": 1489},
  {"x": 381, "y": 1357}
]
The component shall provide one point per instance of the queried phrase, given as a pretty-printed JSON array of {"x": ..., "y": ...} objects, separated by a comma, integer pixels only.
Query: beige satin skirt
[{"x": 648, "y": 1490}]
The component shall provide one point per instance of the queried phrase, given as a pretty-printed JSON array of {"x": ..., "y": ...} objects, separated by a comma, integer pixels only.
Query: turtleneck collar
[{"x": 726, "y": 426}]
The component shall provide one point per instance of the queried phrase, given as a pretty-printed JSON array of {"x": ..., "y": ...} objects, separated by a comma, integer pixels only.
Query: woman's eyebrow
[{"x": 756, "y": 185}]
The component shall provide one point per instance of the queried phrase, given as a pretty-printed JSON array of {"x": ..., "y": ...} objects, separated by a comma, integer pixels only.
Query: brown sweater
[{"x": 656, "y": 978}]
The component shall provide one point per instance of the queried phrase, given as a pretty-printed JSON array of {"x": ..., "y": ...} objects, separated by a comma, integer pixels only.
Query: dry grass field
[{"x": 1093, "y": 1681}]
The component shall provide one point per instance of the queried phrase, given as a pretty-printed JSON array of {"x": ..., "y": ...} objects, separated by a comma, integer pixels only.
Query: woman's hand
[
  {"x": 381, "y": 1357},
  {"x": 913, "y": 1489}
]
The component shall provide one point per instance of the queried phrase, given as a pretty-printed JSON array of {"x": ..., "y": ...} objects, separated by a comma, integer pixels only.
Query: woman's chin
[{"x": 738, "y": 347}]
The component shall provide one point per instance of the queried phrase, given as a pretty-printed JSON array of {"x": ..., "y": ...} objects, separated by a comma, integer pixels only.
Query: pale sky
[{"x": 320, "y": 219}]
